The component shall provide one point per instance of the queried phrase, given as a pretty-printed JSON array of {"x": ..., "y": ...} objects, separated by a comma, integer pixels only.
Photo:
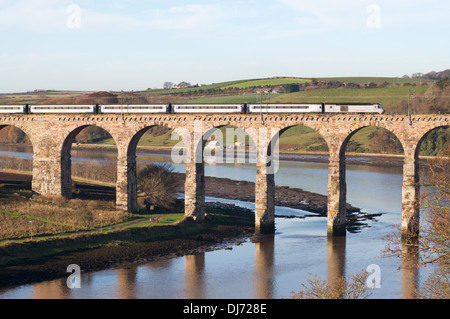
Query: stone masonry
[{"x": 52, "y": 137}]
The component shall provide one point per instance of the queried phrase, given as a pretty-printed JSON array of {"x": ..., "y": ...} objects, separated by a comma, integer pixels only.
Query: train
[{"x": 246, "y": 108}]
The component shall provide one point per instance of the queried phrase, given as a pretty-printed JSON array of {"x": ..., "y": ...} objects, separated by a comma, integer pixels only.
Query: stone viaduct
[{"x": 52, "y": 137}]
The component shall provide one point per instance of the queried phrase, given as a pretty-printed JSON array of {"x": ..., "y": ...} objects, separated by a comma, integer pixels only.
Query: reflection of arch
[
  {"x": 66, "y": 161},
  {"x": 417, "y": 147}
]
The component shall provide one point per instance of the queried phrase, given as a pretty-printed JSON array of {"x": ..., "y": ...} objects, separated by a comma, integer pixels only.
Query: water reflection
[
  {"x": 336, "y": 258},
  {"x": 194, "y": 266},
  {"x": 264, "y": 267},
  {"x": 410, "y": 271},
  {"x": 210, "y": 275},
  {"x": 50, "y": 290},
  {"x": 126, "y": 282}
]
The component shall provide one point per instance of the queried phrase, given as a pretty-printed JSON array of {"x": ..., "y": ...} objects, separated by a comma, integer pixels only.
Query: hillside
[{"x": 392, "y": 93}]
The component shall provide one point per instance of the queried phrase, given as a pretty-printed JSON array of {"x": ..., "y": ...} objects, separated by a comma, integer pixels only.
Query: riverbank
[{"x": 35, "y": 261}]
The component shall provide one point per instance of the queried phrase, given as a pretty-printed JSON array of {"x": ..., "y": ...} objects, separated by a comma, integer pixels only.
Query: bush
[{"x": 158, "y": 184}]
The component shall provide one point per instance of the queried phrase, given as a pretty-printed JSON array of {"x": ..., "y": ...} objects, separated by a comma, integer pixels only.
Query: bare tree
[
  {"x": 167, "y": 85},
  {"x": 316, "y": 288},
  {"x": 158, "y": 184}
]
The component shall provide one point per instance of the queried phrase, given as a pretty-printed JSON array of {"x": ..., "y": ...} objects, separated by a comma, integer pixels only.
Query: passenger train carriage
[
  {"x": 9, "y": 109},
  {"x": 161, "y": 108},
  {"x": 62, "y": 109},
  {"x": 284, "y": 108},
  {"x": 197, "y": 108},
  {"x": 208, "y": 108},
  {"x": 353, "y": 108}
]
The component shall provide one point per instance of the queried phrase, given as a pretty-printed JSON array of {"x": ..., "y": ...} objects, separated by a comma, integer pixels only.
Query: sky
[{"x": 117, "y": 45}]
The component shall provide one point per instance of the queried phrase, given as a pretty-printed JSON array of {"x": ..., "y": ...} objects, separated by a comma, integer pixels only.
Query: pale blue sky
[{"x": 134, "y": 44}]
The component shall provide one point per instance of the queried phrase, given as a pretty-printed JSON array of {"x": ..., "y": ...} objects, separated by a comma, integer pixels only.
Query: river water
[{"x": 273, "y": 266}]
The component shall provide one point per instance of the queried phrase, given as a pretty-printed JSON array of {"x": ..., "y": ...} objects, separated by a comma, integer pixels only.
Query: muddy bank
[{"x": 245, "y": 191}]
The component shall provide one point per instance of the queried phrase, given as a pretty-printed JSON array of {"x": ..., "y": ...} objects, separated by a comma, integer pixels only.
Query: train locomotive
[{"x": 257, "y": 108}]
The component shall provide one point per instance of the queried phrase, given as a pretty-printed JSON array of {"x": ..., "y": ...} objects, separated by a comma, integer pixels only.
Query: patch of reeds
[{"x": 21, "y": 218}]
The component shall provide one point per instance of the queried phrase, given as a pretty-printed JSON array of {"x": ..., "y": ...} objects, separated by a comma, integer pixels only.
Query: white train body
[
  {"x": 63, "y": 109},
  {"x": 354, "y": 108},
  {"x": 156, "y": 108},
  {"x": 198, "y": 108},
  {"x": 13, "y": 109},
  {"x": 284, "y": 108},
  {"x": 208, "y": 108}
]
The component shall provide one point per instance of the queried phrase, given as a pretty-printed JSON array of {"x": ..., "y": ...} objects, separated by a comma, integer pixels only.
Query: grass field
[
  {"x": 243, "y": 98},
  {"x": 266, "y": 82},
  {"x": 376, "y": 80},
  {"x": 385, "y": 96}
]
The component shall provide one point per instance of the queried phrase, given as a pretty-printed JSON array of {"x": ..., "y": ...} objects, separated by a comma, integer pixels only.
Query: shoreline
[
  {"x": 385, "y": 160},
  {"x": 120, "y": 248}
]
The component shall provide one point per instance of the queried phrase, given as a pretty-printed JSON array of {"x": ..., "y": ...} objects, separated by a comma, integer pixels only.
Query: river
[{"x": 271, "y": 267}]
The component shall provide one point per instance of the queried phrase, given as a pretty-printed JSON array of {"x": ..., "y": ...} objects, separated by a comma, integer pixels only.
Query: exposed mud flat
[{"x": 245, "y": 191}]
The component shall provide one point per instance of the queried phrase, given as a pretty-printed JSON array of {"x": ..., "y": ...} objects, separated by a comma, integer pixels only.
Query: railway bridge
[{"x": 52, "y": 136}]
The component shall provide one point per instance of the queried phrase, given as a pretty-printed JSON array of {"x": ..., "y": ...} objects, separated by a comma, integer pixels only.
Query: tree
[
  {"x": 385, "y": 142},
  {"x": 158, "y": 184},
  {"x": 290, "y": 88},
  {"x": 316, "y": 288},
  {"x": 167, "y": 85}
]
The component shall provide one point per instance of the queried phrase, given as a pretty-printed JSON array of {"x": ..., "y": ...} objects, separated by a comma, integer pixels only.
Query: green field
[
  {"x": 266, "y": 82},
  {"x": 242, "y": 98},
  {"x": 385, "y": 96},
  {"x": 376, "y": 80}
]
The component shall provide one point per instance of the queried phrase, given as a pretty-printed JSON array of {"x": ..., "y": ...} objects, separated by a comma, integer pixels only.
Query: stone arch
[
  {"x": 343, "y": 146},
  {"x": 200, "y": 143},
  {"x": 24, "y": 129},
  {"x": 422, "y": 138},
  {"x": 195, "y": 167},
  {"x": 338, "y": 171},
  {"x": 132, "y": 145},
  {"x": 275, "y": 138},
  {"x": 267, "y": 166},
  {"x": 66, "y": 161},
  {"x": 127, "y": 196}
]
